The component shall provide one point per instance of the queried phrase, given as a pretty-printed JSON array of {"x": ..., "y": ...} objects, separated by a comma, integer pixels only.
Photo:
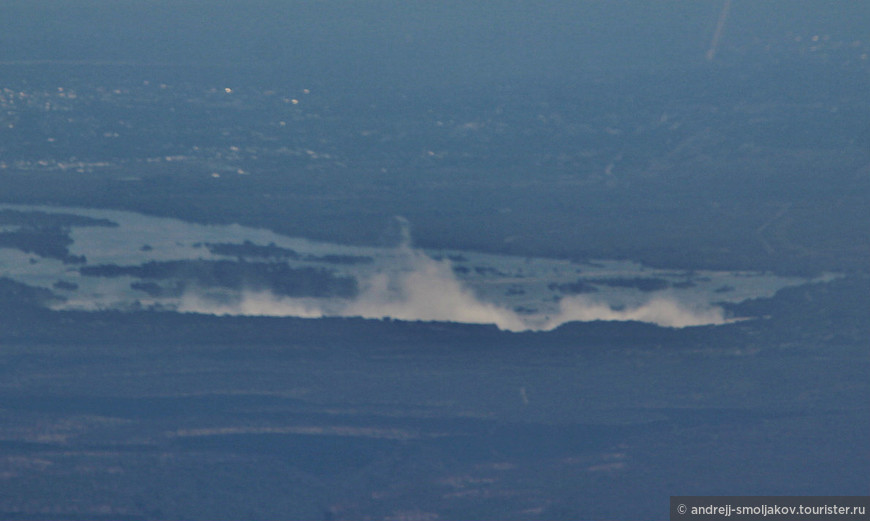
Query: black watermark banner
[{"x": 770, "y": 508}]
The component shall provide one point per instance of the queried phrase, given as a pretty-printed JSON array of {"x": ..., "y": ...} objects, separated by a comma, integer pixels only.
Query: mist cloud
[
  {"x": 418, "y": 287},
  {"x": 429, "y": 290},
  {"x": 661, "y": 311}
]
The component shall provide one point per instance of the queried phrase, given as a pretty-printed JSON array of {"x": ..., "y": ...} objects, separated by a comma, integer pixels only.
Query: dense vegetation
[{"x": 702, "y": 168}]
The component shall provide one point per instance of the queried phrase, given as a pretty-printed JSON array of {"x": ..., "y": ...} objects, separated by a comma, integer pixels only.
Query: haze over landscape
[{"x": 287, "y": 259}]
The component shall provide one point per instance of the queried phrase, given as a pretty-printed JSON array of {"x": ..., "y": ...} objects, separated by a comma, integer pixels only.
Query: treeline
[
  {"x": 249, "y": 250},
  {"x": 279, "y": 278}
]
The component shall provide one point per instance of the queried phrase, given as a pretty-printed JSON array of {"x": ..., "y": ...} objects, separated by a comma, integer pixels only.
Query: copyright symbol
[{"x": 682, "y": 509}]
